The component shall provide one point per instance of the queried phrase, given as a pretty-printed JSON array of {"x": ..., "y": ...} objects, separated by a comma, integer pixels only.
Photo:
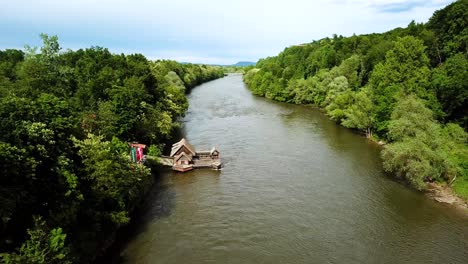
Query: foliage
[
  {"x": 43, "y": 246},
  {"x": 113, "y": 179},
  {"x": 66, "y": 118},
  {"x": 450, "y": 26},
  {"x": 404, "y": 71},
  {"x": 422, "y": 149},
  {"x": 361, "y": 112},
  {"x": 413, "y": 154},
  {"x": 450, "y": 82},
  {"x": 154, "y": 150}
]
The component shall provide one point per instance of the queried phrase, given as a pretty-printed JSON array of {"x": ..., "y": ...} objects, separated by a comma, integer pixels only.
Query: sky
[{"x": 201, "y": 31}]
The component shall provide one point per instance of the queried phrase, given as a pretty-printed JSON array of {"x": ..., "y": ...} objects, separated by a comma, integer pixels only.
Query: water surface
[{"x": 296, "y": 188}]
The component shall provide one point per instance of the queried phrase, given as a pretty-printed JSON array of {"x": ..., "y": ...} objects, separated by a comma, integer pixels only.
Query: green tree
[
  {"x": 337, "y": 99},
  {"x": 412, "y": 155},
  {"x": 451, "y": 84},
  {"x": 405, "y": 71},
  {"x": 114, "y": 180},
  {"x": 422, "y": 150},
  {"x": 450, "y": 26},
  {"x": 42, "y": 247},
  {"x": 361, "y": 113}
]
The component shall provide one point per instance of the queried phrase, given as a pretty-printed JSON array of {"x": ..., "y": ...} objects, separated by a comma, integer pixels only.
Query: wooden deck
[
  {"x": 183, "y": 168},
  {"x": 197, "y": 163},
  {"x": 166, "y": 161},
  {"x": 214, "y": 164}
]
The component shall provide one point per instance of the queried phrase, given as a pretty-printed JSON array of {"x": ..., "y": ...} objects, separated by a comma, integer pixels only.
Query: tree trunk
[
  {"x": 450, "y": 184},
  {"x": 368, "y": 132}
]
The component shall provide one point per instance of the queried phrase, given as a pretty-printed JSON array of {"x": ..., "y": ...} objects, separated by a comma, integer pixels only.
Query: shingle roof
[
  {"x": 181, "y": 143},
  {"x": 213, "y": 150},
  {"x": 182, "y": 154}
]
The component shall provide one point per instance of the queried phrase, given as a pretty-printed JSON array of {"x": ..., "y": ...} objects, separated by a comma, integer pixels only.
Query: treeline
[
  {"x": 66, "y": 180},
  {"x": 408, "y": 86}
]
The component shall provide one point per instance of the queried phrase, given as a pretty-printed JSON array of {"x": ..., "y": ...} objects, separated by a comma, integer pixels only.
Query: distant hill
[
  {"x": 244, "y": 63},
  {"x": 238, "y": 64}
]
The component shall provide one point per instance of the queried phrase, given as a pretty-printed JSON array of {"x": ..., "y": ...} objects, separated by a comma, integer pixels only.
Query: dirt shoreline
[
  {"x": 444, "y": 194},
  {"x": 438, "y": 192}
]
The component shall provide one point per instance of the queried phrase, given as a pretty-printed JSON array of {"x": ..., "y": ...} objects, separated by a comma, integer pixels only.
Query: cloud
[
  {"x": 399, "y": 6},
  {"x": 204, "y": 30}
]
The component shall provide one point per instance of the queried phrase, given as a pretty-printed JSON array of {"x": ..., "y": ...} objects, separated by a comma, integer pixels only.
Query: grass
[{"x": 460, "y": 187}]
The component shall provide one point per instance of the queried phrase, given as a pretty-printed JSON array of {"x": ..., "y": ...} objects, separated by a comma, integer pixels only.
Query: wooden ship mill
[{"x": 184, "y": 157}]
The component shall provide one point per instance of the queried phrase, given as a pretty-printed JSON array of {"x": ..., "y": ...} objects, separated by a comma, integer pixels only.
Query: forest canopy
[{"x": 66, "y": 181}]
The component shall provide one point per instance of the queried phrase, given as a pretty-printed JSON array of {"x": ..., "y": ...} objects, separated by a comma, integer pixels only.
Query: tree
[
  {"x": 412, "y": 155},
  {"x": 351, "y": 69},
  {"x": 50, "y": 48},
  {"x": 323, "y": 57},
  {"x": 422, "y": 150},
  {"x": 42, "y": 247},
  {"x": 338, "y": 98},
  {"x": 405, "y": 71},
  {"x": 114, "y": 180},
  {"x": 450, "y": 26},
  {"x": 451, "y": 85},
  {"x": 361, "y": 113}
]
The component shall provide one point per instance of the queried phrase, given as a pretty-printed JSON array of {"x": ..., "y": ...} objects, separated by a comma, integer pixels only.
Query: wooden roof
[
  {"x": 182, "y": 154},
  {"x": 208, "y": 152},
  {"x": 180, "y": 144},
  {"x": 213, "y": 150}
]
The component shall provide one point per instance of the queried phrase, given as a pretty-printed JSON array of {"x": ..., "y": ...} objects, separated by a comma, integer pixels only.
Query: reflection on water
[{"x": 296, "y": 188}]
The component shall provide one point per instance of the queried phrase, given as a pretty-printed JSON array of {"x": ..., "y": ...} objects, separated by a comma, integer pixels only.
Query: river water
[{"x": 296, "y": 188}]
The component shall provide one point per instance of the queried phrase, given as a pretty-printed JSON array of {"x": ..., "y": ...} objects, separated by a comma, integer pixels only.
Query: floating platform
[
  {"x": 182, "y": 168},
  {"x": 184, "y": 157}
]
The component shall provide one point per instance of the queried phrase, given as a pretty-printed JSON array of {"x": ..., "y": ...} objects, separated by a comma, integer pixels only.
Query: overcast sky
[{"x": 202, "y": 31}]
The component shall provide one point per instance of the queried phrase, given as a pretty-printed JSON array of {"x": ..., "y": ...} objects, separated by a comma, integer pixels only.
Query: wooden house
[
  {"x": 182, "y": 153},
  {"x": 182, "y": 146},
  {"x": 212, "y": 154},
  {"x": 186, "y": 158}
]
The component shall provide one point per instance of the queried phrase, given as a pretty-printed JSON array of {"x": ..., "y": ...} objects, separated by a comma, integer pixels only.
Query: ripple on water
[{"x": 296, "y": 188}]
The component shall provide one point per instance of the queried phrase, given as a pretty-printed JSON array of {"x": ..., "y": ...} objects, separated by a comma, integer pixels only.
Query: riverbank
[
  {"x": 441, "y": 193},
  {"x": 445, "y": 194}
]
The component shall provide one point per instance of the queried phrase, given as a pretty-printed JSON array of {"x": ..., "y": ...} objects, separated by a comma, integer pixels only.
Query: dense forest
[
  {"x": 66, "y": 181},
  {"x": 407, "y": 87}
]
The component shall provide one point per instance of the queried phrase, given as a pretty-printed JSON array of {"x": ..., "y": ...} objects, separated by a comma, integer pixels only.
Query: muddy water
[{"x": 296, "y": 188}]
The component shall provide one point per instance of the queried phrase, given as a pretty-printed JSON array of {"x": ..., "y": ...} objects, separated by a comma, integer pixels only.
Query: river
[{"x": 295, "y": 188}]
